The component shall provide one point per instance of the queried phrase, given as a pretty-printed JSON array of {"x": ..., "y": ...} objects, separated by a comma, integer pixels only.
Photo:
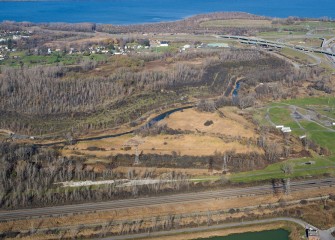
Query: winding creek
[
  {"x": 150, "y": 123},
  {"x": 236, "y": 89}
]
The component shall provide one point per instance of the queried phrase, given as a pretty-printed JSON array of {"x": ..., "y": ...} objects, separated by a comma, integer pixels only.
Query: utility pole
[
  {"x": 287, "y": 186},
  {"x": 137, "y": 156},
  {"x": 224, "y": 167},
  {"x": 135, "y": 142},
  {"x": 210, "y": 164}
]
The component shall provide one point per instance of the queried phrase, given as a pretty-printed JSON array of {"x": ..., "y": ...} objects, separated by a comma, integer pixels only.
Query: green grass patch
[
  {"x": 165, "y": 49},
  {"x": 315, "y": 24},
  {"x": 320, "y": 166},
  {"x": 310, "y": 42},
  {"x": 311, "y": 126},
  {"x": 322, "y": 105},
  {"x": 281, "y": 116},
  {"x": 276, "y": 34},
  {"x": 318, "y": 133},
  {"x": 205, "y": 178},
  {"x": 324, "y": 139},
  {"x": 317, "y": 101},
  {"x": 21, "y": 58},
  {"x": 297, "y": 56}
]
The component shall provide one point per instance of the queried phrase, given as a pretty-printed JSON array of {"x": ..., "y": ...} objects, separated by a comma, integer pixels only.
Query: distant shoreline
[{"x": 131, "y": 12}]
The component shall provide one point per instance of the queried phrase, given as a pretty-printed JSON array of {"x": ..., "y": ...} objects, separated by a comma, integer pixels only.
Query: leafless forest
[
  {"x": 31, "y": 96},
  {"x": 46, "y": 91}
]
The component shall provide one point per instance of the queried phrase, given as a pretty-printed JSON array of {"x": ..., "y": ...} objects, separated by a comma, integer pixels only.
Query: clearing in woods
[{"x": 223, "y": 134}]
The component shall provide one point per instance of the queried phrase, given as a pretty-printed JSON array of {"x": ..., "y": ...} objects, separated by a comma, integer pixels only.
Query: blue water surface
[
  {"x": 279, "y": 234},
  {"x": 145, "y": 11}
]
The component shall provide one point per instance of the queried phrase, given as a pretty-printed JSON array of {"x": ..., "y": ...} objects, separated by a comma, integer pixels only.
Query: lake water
[
  {"x": 278, "y": 234},
  {"x": 144, "y": 11}
]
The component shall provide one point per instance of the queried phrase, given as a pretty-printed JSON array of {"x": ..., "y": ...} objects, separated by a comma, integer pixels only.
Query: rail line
[{"x": 169, "y": 199}]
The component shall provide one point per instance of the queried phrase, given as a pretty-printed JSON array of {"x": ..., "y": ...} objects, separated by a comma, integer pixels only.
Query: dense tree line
[
  {"x": 31, "y": 176},
  {"x": 79, "y": 27},
  {"x": 41, "y": 90},
  {"x": 235, "y": 161},
  {"x": 46, "y": 91}
]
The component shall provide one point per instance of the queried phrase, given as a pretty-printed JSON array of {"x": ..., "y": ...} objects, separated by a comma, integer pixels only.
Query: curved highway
[
  {"x": 263, "y": 42},
  {"x": 327, "y": 46},
  {"x": 324, "y": 49},
  {"x": 149, "y": 201}
]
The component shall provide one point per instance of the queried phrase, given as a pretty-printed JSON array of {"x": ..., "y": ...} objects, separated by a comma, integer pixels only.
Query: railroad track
[{"x": 169, "y": 199}]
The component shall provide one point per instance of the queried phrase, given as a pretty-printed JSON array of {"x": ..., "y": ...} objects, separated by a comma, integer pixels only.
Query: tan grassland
[
  {"x": 232, "y": 124},
  {"x": 202, "y": 140},
  {"x": 237, "y": 23},
  {"x": 183, "y": 144}
]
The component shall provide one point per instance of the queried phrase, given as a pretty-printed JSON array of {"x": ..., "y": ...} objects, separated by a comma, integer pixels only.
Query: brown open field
[
  {"x": 83, "y": 40},
  {"x": 202, "y": 140},
  {"x": 245, "y": 23},
  {"x": 310, "y": 42},
  {"x": 183, "y": 144},
  {"x": 232, "y": 124}
]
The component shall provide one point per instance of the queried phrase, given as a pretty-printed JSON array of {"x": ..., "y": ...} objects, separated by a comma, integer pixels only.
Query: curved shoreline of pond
[
  {"x": 273, "y": 234},
  {"x": 325, "y": 234}
]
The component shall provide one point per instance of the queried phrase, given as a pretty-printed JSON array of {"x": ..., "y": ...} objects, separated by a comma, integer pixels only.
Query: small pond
[{"x": 278, "y": 234}]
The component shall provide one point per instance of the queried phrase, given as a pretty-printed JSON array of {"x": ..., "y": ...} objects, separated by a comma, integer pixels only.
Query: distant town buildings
[
  {"x": 284, "y": 129},
  {"x": 218, "y": 45},
  {"x": 6, "y": 38},
  {"x": 113, "y": 47}
]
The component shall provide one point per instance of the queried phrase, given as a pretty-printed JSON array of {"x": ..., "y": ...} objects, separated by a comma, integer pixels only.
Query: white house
[
  {"x": 286, "y": 129},
  {"x": 16, "y": 37},
  {"x": 164, "y": 44}
]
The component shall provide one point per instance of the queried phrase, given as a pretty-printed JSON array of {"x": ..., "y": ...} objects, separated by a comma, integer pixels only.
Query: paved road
[
  {"x": 327, "y": 46},
  {"x": 169, "y": 199},
  {"x": 307, "y": 50},
  {"x": 325, "y": 235}
]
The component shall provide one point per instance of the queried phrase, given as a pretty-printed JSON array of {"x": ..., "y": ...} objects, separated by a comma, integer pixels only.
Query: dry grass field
[
  {"x": 232, "y": 124},
  {"x": 223, "y": 135},
  {"x": 245, "y": 23},
  {"x": 182, "y": 144}
]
